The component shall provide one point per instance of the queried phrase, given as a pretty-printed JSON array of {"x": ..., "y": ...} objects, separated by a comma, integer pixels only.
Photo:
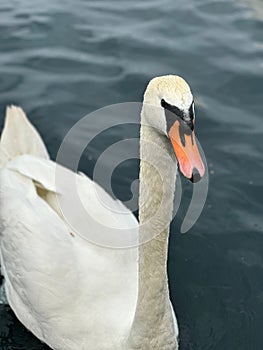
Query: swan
[{"x": 70, "y": 293}]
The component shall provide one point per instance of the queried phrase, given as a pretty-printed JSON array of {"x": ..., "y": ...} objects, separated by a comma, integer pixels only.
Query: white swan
[{"x": 72, "y": 294}]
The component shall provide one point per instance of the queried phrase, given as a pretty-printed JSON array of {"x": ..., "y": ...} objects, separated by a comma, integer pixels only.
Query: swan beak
[{"x": 186, "y": 150}]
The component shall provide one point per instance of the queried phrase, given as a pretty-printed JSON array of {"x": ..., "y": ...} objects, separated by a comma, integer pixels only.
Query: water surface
[{"x": 61, "y": 61}]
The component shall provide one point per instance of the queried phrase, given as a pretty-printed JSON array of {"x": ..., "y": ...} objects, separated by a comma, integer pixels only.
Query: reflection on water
[{"x": 62, "y": 61}]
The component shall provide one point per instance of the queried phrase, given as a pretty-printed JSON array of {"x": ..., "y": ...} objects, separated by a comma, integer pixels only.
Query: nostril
[{"x": 195, "y": 176}]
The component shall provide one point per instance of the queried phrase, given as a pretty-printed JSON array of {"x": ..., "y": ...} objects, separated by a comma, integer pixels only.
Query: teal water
[{"x": 61, "y": 61}]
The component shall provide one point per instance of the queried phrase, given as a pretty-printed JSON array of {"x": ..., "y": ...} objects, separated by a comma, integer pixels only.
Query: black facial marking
[
  {"x": 191, "y": 111},
  {"x": 173, "y": 109},
  {"x": 182, "y": 135},
  {"x": 170, "y": 119},
  {"x": 173, "y": 113}
]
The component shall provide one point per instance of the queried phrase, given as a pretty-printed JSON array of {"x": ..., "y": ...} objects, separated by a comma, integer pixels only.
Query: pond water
[{"x": 62, "y": 61}]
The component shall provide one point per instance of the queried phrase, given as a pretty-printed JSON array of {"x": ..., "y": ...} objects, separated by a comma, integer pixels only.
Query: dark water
[{"x": 61, "y": 60}]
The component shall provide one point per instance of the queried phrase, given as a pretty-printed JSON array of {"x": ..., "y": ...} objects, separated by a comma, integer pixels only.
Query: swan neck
[{"x": 153, "y": 322}]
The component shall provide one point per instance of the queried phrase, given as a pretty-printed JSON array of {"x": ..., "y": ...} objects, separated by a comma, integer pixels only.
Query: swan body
[
  {"x": 71, "y": 281},
  {"x": 69, "y": 292}
]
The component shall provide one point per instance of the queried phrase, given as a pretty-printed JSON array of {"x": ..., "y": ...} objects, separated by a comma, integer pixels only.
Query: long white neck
[{"x": 153, "y": 323}]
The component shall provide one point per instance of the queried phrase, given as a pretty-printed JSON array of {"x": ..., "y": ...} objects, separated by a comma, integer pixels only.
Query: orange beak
[{"x": 186, "y": 151}]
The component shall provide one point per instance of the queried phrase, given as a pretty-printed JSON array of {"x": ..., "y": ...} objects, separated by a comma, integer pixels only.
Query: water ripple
[{"x": 61, "y": 61}]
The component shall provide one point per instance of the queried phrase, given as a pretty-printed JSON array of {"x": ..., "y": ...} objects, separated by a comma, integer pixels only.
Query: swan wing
[
  {"x": 108, "y": 221},
  {"x": 59, "y": 284},
  {"x": 19, "y": 137}
]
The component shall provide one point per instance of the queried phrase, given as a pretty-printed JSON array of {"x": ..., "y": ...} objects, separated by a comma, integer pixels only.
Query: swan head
[{"x": 169, "y": 108}]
